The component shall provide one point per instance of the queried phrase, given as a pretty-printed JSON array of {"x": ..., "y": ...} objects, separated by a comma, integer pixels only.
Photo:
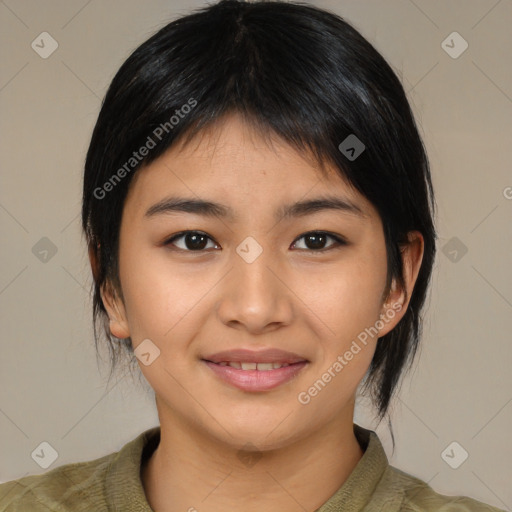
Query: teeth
[
  {"x": 265, "y": 366},
  {"x": 253, "y": 366}
]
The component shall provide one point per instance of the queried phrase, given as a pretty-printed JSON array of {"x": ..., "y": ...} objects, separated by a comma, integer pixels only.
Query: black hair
[{"x": 290, "y": 69}]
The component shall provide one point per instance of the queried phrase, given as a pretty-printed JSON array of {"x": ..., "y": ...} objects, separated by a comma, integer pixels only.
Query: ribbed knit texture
[{"x": 112, "y": 483}]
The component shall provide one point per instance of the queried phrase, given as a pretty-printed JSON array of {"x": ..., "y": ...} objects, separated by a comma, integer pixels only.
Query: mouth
[
  {"x": 251, "y": 376},
  {"x": 262, "y": 367}
]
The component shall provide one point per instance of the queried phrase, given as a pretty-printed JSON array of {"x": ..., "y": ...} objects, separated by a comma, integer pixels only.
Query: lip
[
  {"x": 268, "y": 355},
  {"x": 256, "y": 380}
]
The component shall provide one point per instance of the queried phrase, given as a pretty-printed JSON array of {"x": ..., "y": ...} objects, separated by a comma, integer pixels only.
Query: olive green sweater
[{"x": 112, "y": 483}]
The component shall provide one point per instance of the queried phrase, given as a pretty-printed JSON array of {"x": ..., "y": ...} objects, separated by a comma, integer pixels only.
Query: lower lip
[{"x": 256, "y": 380}]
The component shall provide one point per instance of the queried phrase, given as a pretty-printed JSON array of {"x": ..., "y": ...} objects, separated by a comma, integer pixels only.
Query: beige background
[{"x": 50, "y": 386}]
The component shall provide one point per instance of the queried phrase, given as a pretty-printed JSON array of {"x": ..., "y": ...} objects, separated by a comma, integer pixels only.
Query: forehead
[{"x": 230, "y": 161}]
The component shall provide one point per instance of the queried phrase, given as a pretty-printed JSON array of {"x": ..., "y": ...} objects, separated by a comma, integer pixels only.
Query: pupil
[
  {"x": 318, "y": 241},
  {"x": 195, "y": 241}
]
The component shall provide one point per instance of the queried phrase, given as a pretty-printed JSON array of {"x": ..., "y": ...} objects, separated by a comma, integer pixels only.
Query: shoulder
[
  {"x": 384, "y": 488},
  {"x": 410, "y": 494},
  {"x": 107, "y": 483},
  {"x": 70, "y": 487}
]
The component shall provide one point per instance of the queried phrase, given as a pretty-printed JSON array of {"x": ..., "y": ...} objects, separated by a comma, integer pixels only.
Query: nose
[{"x": 255, "y": 296}]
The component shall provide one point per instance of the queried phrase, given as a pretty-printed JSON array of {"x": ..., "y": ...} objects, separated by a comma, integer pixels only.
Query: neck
[{"x": 190, "y": 471}]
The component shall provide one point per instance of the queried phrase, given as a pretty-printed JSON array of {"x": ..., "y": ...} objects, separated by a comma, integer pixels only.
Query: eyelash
[{"x": 339, "y": 241}]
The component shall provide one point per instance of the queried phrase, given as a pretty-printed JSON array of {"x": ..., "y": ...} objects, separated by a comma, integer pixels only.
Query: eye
[
  {"x": 192, "y": 240},
  {"x": 196, "y": 241},
  {"x": 315, "y": 241}
]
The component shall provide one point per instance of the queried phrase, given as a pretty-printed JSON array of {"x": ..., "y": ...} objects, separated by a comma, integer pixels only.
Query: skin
[{"x": 191, "y": 304}]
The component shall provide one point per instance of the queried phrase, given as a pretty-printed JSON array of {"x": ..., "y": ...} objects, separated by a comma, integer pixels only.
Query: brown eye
[
  {"x": 316, "y": 240},
  {"x": 192, "y": 240}
]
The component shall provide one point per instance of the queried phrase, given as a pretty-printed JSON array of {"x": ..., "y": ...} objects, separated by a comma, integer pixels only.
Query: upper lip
[{"x": 268, "y": 355}]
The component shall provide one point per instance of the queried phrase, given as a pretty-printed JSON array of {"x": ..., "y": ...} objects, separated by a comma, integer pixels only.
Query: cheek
[
  {"x": 348, "y": 298},
  {"x": 348, "y": 302},
  {"x": 157, "y": 296}
]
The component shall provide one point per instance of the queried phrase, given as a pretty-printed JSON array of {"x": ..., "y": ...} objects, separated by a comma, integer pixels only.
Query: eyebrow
[{"x": 213, "y": 209}]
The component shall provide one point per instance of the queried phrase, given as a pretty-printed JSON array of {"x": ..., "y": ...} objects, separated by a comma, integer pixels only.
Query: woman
[{"x": 258, "y": 209}]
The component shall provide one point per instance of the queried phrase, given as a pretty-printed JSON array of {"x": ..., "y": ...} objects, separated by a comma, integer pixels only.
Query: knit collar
[{"x": 124, "y": 489}]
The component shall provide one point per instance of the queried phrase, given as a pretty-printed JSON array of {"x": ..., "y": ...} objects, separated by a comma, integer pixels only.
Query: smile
[
  {"x": 254, "y": 376},
  {"x": 253, "y": 366}
]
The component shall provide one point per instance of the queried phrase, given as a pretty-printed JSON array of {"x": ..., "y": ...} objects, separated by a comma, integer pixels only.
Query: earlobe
[
  {"x": 116, "y": 312},
  {"x": 113, "y": 305},
  {"x": 392, "y": 310},
  {"x": 398, "y": 299}
]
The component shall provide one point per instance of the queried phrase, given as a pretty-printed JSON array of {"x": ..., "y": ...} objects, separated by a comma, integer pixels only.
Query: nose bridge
[{"x": 255, "y": 297}]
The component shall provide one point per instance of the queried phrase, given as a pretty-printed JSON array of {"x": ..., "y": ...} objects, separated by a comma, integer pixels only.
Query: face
[{"x": 299, "y": 286}]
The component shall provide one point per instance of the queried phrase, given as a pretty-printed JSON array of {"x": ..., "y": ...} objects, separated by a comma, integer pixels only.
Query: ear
[
  {"x": 116, "y": 311},
  {"x": 113, "y": 304},
  {"x": 397, "y": 300}
]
